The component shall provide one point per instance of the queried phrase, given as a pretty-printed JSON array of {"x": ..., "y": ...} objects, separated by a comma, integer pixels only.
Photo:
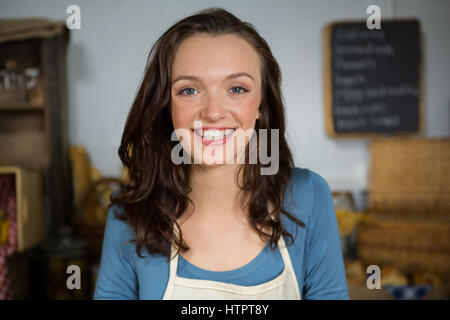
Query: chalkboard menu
[{"x": 373, "y": 78}]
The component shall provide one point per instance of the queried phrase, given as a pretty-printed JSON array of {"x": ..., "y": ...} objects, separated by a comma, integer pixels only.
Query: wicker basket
[
  {"x": 92, "y": 209},
  {"x": 410, "y": 176},
  {"x": 411, "y": 246}
]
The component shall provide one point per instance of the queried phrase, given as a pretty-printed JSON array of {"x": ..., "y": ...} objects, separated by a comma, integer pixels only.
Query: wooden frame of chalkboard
[{"x": 374, "y": 95}]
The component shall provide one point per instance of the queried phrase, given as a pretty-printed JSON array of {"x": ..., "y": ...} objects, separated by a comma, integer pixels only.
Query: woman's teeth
[{"x": 214, "y": 134}]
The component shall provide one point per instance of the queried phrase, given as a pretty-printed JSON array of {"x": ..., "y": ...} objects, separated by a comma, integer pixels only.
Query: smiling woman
[
  {"x": 216, "y": 229},
  {"x": 225, "y": 99}
]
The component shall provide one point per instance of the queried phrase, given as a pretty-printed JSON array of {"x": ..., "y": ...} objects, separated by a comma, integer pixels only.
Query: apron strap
[{"x": 288, "y": 263}]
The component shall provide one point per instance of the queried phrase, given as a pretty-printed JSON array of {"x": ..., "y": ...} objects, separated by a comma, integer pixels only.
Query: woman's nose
[{"x": 214, "y": 109}]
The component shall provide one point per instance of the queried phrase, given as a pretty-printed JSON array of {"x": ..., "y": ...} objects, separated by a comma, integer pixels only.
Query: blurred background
[{"x": 367, "y": 108}]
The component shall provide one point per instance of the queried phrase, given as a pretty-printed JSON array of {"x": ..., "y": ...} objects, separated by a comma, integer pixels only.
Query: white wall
[{"x": 107, "y": 56}]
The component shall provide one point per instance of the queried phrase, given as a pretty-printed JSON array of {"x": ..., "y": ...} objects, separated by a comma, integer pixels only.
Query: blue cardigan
[{"x": 316, "y": 253}]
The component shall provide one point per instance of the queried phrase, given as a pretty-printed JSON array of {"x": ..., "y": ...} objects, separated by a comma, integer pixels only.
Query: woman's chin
[{"x": 211, "y": 162}]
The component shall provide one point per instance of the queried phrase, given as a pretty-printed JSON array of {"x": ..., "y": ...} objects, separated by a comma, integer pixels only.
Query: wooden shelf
[
  {"x": 29, "y": 206},
  {"x": 35, "y": 136},
  {"x": 20, "y": 107},
  {"x": 28, "y": 148}
]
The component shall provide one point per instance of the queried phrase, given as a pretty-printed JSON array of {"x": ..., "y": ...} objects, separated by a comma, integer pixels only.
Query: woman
[{"x": 214, "y": 225}]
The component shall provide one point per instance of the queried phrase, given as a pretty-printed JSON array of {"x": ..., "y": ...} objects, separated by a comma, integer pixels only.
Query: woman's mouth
[{"x": 213, "y": 136}]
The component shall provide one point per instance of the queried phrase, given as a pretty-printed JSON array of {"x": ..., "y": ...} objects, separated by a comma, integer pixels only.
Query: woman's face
[{"x": 216, "y": 92}]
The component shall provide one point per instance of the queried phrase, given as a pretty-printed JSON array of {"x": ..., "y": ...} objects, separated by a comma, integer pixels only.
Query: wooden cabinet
[
  {"x": 29, "y": 206},
  {"x": 35, "y": 136}
]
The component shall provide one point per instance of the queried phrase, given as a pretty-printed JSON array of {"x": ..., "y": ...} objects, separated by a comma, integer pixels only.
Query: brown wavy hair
[{"x": 157, "y": 191}]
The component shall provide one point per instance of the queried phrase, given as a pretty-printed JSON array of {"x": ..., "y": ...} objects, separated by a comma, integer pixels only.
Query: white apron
[{"x": 283, "y": 287}]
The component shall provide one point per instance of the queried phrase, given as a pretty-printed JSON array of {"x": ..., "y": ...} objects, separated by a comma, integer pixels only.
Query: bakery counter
[
  {"x": 395, "y": 283},
  {"x": 399, "y": 292}
]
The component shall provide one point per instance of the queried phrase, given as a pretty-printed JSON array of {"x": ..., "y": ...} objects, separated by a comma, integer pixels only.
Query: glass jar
[
  {"x": 12, "y": 88},
  {"x": 33, "y": 86},
  {"x": 62, "y": 252},
  {"x": 11, "y": 76}
]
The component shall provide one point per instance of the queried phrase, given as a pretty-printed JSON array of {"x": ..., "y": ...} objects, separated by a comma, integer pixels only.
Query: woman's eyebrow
[
  {"x": 239, "y": 74},
  {"x": 194, "y": 78}
]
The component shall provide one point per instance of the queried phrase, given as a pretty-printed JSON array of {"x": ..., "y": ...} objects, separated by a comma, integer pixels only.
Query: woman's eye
[
  {"x": 187, "y": 91},
  {"x": 191, "y": 91},
  {"x": 238, "y": 90}
]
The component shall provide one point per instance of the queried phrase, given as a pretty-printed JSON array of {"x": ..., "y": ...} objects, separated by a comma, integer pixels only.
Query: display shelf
[
  {"x": 21, "y": 107},
  {"x": 35, "y": 136}
]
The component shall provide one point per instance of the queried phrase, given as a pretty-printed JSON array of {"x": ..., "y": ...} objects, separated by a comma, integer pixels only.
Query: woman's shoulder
[
  {"x": 305, "y": 174},
  {"x": 307, "y": 188},
  {"x": 122, "y": 231},
  {"x": 303, "y": 179}
]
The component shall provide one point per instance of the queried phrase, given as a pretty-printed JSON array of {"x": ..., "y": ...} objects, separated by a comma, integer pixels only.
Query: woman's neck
[{"x": 215, "y": 192}]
